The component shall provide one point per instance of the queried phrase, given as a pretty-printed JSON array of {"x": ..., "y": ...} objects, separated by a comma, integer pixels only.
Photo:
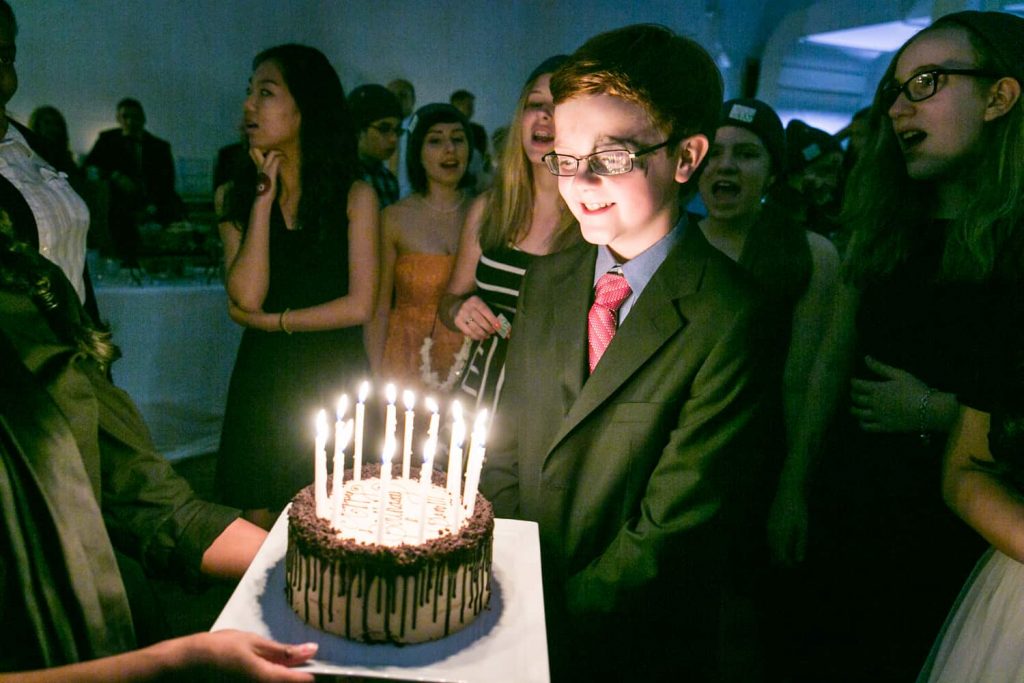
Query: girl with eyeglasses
[
  {"x": 935, "y": 207},
  {"x": 522, "y": 216},
  {"x": 300, "y": 235}
]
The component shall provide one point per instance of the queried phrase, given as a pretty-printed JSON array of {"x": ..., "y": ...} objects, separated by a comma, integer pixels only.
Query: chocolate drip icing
[{"x": 408, "y": 577}]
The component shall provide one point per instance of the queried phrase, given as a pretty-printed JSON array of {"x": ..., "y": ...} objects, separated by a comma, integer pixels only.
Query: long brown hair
[
  {"x": 509, "y": 210},
  {"x": 885, "y": 208}
]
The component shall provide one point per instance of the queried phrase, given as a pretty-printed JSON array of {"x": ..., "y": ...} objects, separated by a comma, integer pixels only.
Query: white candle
[
  {"x": 455, "y": 461},
  {"x": 320, "y": 466},
  {"x": 409, "y": 399},
  {"x": 435, "y": 420},
  {"x": 390, "y": 419},
  {"x": 340, "y": 445},
  {"x": 475, "y": 461},
  {"x": 338, "y": 496},
  {"x": 357, "y": 457},
  {"x": 385, "y": 479},
  {"x": 425, "y": 483}
]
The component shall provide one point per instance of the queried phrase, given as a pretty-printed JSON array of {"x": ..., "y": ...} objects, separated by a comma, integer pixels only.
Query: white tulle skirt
[{"x": 983, "y": 638}]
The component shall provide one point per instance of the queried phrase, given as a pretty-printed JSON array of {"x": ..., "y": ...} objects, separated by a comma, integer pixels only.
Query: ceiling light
[{"x": 884, "y": 37}]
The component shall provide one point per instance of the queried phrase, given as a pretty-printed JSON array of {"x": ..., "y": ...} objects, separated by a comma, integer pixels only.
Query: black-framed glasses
[
  {"x": 925, "y": 84},
  {"x": 386, "y": 128},
  {"x": 605, "y": 162}
]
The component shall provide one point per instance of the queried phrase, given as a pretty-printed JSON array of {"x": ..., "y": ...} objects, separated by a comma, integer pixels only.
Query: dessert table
[
  {"x": 507, "y": 642},
  {"x": 178, "y": 347}
]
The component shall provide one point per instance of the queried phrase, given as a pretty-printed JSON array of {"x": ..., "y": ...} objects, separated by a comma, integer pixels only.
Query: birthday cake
[{"x": 394, "y": 559}]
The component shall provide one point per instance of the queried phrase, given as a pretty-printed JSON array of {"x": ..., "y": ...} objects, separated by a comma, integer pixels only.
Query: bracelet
[
  {"x": 280, "y": 321},
  {"x": 922, "y": 413}
]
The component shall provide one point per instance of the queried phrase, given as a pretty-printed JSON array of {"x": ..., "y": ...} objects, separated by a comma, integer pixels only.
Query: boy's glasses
[
  {"x": 606, "y": 162},
  {"x": 925, "y": 84}
]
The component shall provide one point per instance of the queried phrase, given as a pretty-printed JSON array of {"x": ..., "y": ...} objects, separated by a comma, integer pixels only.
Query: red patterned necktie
[{"x": 611, "y": 290}]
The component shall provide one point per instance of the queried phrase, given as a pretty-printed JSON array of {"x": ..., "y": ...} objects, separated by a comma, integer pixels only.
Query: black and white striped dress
[{"x": 499, "y": 275}]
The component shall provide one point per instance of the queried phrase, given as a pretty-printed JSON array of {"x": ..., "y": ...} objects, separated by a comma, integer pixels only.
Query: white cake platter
[{"x": 507, "y": 642}]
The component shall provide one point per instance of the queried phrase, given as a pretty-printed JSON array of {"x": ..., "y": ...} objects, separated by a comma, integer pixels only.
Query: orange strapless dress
[{"x": 420, "y": 280}]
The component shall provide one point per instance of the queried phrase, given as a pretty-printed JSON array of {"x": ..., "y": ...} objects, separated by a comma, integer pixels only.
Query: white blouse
[{"x": 62, "y": 217}]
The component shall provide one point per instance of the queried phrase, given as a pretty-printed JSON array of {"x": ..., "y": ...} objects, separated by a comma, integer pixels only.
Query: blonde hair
[{"x": 509, "y": 210}]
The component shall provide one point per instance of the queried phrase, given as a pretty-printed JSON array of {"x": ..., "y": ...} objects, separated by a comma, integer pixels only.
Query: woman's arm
[
  {"x": 787, "y": 521},
  {"x": 811, "y": 318},
  {"x": 247, "y": 271},
  {"x": 980, "y": 496},
  {"x": 222, "y": 655},
  {"x": 233, "y": 550},
  {"x": 377, "y": 329},
  {"x": 460, "y": 310}
]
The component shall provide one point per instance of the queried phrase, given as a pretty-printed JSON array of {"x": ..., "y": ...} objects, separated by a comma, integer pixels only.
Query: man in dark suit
[
  {"x": 621, "y": 450},
  {"x": 140, "y": 169}
]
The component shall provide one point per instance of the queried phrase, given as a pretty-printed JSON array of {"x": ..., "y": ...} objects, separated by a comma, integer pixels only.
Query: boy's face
[{"x": 631, "y": 211}]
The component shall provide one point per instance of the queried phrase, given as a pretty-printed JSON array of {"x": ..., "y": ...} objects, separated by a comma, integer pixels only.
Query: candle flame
[
  {"x": 364, "y": 391},
  {"x": 321, "y": 424},
  {"x": 431, "y": 404},
  {"x": 342, "y": 406},
  {"x": 456, "y": 411},
  {"x": 409, "y": 399},
  {"x": 391, "y": 393}
]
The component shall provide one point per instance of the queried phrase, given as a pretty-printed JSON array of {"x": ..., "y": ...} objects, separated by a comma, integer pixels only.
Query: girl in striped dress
[{"x": 521, "y": 217}]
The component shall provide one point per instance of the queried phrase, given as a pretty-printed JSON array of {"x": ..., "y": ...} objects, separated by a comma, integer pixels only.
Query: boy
[{"x": 619, "y": 453}]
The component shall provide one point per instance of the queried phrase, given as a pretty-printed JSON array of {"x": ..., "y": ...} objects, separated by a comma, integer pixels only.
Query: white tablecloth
[{"x": 179, "y": 346}]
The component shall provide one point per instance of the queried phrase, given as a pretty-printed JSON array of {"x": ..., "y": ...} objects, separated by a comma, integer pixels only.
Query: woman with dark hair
[
  {"x": 419, "y": 237},
  {"x": 935, "y": 207},
  {"x": 520, "y": 217},
  {"x": 52, "y": 130},
  {"x": 300, "y": 240}
]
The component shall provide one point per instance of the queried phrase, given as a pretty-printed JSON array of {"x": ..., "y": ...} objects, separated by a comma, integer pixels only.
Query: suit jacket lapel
[
  {"x": 653, "y": 319},
  {"x": 574, "y": 286}
]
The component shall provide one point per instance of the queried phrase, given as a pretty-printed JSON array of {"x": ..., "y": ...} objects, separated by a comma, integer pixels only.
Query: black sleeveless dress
[{"x": 280, "y": 381}]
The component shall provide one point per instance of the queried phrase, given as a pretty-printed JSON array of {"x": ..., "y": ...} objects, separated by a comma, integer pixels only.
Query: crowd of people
[{"x": 779, "y": 440}]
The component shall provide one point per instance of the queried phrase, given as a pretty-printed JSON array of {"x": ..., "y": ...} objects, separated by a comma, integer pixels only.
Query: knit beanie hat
[
  {"x": 1001, "y": 31},
  {"x": 804, "y": 145},
  {"x": 762, "y": 121},
  {"x": 373, "y": 102}
]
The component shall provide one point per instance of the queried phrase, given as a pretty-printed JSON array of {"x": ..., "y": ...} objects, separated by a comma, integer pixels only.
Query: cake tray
[{"x": 508, "y": 641}]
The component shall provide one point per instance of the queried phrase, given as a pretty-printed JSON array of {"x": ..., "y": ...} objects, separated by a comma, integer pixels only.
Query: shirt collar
[{"x": 640, "y": 269}]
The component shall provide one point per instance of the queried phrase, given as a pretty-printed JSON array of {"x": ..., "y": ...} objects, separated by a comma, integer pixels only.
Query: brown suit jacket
[{"x": 626, "y": 470}]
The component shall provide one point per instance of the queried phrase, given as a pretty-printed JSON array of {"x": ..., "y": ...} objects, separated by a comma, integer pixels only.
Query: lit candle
[
  {"x": 385, "y": 479},
  {"x": 320, "y": 466},
  {"x": 357, "y": 457},
  {"x": 455, "y": 461},
  {"x": 425, "y": 483},
  {"x": 390, "y": 419},
  {"x": 475, "y": 462},
  {"x": 338, "y": 496},
  {"x": 340, "y": 445},
  {"x": 409, "y": 399}
]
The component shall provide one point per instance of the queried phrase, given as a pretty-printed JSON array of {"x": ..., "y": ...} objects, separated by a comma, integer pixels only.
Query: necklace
[{"x": 451, "y": 209}]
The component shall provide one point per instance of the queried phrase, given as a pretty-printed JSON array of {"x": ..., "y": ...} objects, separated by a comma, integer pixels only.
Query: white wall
[{"x": 188, "y": 60}]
